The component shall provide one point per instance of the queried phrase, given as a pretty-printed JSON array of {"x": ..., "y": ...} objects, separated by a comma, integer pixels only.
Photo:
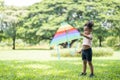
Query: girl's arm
[
  {"x": 79, "y": 51},
  {"x": 87, "y": 36}
]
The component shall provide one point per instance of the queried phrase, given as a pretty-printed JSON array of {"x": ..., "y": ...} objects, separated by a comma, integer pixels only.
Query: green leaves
[{"x": 41, "y": 20}]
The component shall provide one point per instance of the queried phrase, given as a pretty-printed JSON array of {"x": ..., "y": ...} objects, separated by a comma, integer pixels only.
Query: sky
[{"x": 20, "y": 3}]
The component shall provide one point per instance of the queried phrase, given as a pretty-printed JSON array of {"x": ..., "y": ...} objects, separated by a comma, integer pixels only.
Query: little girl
[{"x": 86, "y": 48}]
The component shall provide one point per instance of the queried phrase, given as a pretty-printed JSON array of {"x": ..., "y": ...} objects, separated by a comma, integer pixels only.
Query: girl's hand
[
  {"x": 82, "y": 34},
  {"x": 79, "y": 52}
]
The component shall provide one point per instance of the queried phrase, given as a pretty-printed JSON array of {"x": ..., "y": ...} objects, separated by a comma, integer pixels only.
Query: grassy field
[{"x": 65, "y": 69}]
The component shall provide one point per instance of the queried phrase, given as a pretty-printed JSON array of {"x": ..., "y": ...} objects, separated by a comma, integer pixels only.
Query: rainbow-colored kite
[{"x": 65, "y": 33}]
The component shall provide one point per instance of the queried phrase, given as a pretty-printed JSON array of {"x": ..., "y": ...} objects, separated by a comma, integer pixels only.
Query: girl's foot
[
  {"x": 83, "y": 74},
  {"x": 91, "y": 75}
]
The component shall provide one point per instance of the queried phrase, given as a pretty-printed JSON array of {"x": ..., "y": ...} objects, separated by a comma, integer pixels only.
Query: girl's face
[{"x": 87, "y": 30}]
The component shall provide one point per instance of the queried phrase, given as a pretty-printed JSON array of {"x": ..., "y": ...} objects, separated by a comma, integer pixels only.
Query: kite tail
[{"x": 58, "y": 52}]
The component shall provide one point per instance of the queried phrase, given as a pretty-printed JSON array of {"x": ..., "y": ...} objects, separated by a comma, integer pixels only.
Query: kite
[{"x": 65, "y": 33}]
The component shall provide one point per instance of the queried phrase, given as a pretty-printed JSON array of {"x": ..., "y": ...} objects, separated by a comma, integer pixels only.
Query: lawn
[{"x": 64, "y": 69}]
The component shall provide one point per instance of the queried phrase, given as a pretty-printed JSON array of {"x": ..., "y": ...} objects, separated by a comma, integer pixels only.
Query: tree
[
  {"x": 10, "y": 22},
  {"x": 44, "y": 18},
  {"x": 1, "y": 19}
]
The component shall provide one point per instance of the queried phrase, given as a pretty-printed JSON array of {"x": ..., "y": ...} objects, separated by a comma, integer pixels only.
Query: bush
[
  {"x": 117, "y": 47},
  {"x": 97, "y": 52},
  {"x": 111, "y": 41},
  {"x": 102, "y": 51},
  {"x": 66, "y": 53}
]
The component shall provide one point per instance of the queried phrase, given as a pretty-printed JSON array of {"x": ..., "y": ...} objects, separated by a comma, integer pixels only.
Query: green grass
[
  {"x": 57, "y": 70},
  {"x": 64, "y": 69}
]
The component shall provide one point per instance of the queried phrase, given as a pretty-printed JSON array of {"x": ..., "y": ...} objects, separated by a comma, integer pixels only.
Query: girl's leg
[
  {"x": 91, "y": 67},
  {"x": 84, "y": 66}
]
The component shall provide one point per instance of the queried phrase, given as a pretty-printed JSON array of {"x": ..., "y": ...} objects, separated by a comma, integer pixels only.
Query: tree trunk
[
  {"x": 13, "y": 43},
  {"x": 100, "y": 41},
  {"x": 14, "y": 38}
]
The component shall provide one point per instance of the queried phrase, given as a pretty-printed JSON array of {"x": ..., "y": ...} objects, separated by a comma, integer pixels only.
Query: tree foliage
[
  {"x": 41, "y": 20},
  {"x": 44, "y": 18}
]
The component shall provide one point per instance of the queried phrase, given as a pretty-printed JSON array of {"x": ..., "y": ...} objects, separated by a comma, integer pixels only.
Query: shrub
[
  {"x": 97, "y": 52},
  {"x": 66, "y": 53},
  {"x": 117, "y": 47},
  {"x": 102, "y": 51},
  {"x": 111, "y": 41}
]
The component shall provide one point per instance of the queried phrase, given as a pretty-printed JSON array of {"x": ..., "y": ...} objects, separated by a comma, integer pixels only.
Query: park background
[{"x": 26, "y": 32}]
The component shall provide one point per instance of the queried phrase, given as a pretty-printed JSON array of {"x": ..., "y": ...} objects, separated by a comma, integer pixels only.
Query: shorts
[{"x": 87, "y": 54}]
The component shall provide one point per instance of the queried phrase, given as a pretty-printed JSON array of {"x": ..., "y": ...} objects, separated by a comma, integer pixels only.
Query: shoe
[
  {"x": 91, "y": 75},
  {"x": 83, "y": 74}
]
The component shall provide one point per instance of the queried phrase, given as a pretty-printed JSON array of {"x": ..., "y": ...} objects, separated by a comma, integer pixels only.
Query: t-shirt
[{"x": 87, "y": 41}]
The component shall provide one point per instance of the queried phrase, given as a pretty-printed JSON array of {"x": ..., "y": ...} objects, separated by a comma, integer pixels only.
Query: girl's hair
[{"x": 89, "y": 24}]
